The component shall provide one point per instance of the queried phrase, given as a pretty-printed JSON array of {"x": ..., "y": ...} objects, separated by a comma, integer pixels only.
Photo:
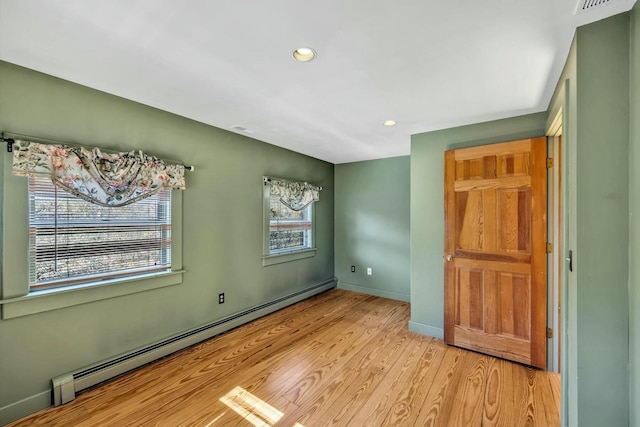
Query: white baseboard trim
[
  {"x": 24, "y": 407},
  {"x": 423, "y": 329},
  {"x": 375, "y": 292}
]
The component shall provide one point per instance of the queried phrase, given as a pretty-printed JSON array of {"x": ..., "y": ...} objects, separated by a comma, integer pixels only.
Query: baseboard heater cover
[{"x": 66, "y": 386}]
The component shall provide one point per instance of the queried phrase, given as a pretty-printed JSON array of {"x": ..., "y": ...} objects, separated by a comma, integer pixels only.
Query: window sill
[
  {"x": 51, "y": 299},
  {"x": 287, "y": 256}
]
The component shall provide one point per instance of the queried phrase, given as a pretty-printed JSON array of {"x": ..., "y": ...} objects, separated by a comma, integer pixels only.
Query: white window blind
[{"x": 74, "y": 241}]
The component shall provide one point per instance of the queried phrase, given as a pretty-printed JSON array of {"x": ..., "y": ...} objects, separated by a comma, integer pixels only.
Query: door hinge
[
  {"x": 549, "y": 333},
  {"x": 549, "y": 162},
  {"x": 549, "y": 248}
]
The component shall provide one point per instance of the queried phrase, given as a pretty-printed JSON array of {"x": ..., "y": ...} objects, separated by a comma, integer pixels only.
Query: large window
[
  {"x": 73, "y": 241},
  {"x": 62, "y": 251}
]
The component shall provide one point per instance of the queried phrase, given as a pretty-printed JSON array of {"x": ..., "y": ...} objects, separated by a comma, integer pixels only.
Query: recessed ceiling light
[
  {"x": 390, "y": 123},
  {"x": 304, "y": 54}
]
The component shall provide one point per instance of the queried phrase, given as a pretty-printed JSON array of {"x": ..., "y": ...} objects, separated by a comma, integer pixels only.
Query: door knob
[{"x": 449, "y": 258}]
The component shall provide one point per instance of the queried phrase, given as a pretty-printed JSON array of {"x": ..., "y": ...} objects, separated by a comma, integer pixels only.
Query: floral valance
[
  {"x": 294, "y": 195},
  {"x": 104, "y": 179}
]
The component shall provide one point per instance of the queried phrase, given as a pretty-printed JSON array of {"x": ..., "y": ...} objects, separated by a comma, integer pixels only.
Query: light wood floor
[{"x": 340, "y": 358}]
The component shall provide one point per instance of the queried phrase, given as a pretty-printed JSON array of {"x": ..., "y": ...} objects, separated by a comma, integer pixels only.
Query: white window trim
[
  {"x": 287, "y": 256},
  {"x": 18, "y": 300}
]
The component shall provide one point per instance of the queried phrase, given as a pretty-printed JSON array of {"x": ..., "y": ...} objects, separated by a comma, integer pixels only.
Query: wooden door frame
[{"x": 555, "y": 233}]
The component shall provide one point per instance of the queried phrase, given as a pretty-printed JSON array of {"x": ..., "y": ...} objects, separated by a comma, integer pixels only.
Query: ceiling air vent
[
  {"x": 590, "y": 4},
  {"x": 589, "y": 11},
  {"x": 242, "y": 129}
]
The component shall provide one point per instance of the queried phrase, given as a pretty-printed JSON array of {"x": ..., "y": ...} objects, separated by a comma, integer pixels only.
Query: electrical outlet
[
  {"x": 369, "y": 272},
  {"x": 353, "y": 268},
  {"x": 221, "y": 298}
]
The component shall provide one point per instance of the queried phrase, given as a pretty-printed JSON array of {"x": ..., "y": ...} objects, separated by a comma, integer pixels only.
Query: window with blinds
[
  {"x": 73, "y": 241},
  {"x": 289, "y": 230}
]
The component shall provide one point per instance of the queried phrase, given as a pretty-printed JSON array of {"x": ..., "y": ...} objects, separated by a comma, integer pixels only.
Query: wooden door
[{"x": 495, "y": 250}]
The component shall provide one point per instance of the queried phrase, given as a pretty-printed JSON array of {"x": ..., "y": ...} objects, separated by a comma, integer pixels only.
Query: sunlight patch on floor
[
  {"x": 252, "y": 408},
  {"x": 214, "y": 420}
]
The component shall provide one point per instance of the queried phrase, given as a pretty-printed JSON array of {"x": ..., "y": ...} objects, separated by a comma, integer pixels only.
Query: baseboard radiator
[{"x": 66, "y": 386}]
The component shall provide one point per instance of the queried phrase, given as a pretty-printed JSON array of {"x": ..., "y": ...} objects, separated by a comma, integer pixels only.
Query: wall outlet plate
[
  {"x": 353, "y": 268},
  {"x": 221, "y": 298}
]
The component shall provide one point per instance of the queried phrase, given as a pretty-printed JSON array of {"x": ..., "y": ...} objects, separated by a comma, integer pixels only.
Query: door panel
[{"x": 495, "y": 249}]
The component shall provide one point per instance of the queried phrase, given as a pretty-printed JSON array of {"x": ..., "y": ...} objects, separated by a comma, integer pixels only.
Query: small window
[
  {"x": 288, "y": 220},
  {"x": 289, "y": 230},
  {"x": 73, "y": 241}
]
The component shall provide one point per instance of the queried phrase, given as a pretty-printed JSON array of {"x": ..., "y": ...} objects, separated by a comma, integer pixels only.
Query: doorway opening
[{"x": 555, "y": 258}]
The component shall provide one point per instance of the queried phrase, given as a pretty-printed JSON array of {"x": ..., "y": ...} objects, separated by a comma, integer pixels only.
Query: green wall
[
  {"x": 593, "y": 93},
  {"x": 634, "y": 219},
  {"x": 602, "y": 234},
  {"x": 427, "y": 207},
  {"x": 372, "y": 226},
  {"x": 222, "y": 232},
  {"x": 599, "y": 94}
]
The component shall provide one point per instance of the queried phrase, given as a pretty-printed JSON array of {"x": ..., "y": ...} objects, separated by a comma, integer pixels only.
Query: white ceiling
[{"x": 426, "y": 64}]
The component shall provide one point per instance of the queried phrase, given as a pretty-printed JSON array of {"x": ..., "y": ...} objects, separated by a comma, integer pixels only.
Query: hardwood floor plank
[
  {"x": 387, "y": 403},
  {"x": 545, "y": 401},
  {"x": 431, "y": 413},
  {"x": 359, "y": 382},
  {"x": 412, "y": 399},
  {"x": 499, "y": 395},
  {"x": 314, "y": 406},
  {"x": 339, "y": 358},
  {"x": 467, "y": 407},
  {"x": 393, "y": 365},
  {"x": 522, "y": 378}
]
